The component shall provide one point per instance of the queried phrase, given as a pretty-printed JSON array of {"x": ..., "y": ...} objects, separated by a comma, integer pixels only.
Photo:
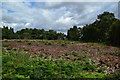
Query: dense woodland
[{"x": 105, "y": 29}]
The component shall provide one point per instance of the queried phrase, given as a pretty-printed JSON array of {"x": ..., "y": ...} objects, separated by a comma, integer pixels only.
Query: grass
[
  {"x": 96, "y": 44},
  {"x": 116, "y": 53},
  {"x": 57, "y": 41},
  {"x": 83, "y": 49},
  {"x": 5, "y": 45},
  {"x": 44, "y": 41},
  {"x": 19, "y": 41},
  {"x": 24, "y": 49}
]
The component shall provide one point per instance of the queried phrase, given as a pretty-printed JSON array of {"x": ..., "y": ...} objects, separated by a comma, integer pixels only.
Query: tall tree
[
  {"x": 60, "y": 36},
  {"x": 73, "y": 33},
  {"x": 98, "y": 31},
  {"x": 104, "y": 22},
  {"x": 89, "y": 33},
  {"x": 7, "y": 33},
  {"x": 114, "y": 33}
]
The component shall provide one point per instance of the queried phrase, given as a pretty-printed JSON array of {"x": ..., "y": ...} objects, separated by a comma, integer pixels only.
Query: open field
[{"x": 59, "y": 59}]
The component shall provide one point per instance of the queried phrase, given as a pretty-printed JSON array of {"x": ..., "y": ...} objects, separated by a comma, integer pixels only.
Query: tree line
[
  {"x": 106, "y": 29},
  {"x": 8, "y": 33}
]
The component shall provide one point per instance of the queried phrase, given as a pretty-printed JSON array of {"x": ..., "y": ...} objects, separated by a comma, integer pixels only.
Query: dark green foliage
[
  {"x": 114, "y": 33},
  {"x": 47, "y": 43},
  {"x": 29, "y": 43},
  {"x": 39, "y": 34},
  {"x": 106, "y": 15},
  {"x": 19, "y": 41},
  {"x": 61, "y": 36},
  {"x": 5, "y": 45},
  {"x": 31, "y": 34},
  {"x": 51, "y": 35},
  {"x": 105, "y": 29},
  {"x": 89, "y": 33},
  {"x": 7, "y": 33},
  {"x": 63, "y": 44},
  {"x": 9, "y": 48},
  {"x": 73, "y": 33},
  {"x": 98, "y": 31}
]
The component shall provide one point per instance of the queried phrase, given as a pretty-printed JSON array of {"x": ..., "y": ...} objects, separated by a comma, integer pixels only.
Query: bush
[
  {"x": 63, "y": 45},
  {"x": 48, "y": 44},
  {"x": 19, "y": 41},
  {"x": 29, "y": 43}
]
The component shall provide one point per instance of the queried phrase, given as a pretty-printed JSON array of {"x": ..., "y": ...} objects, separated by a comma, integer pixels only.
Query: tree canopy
[{"x": 8, "y": 33}]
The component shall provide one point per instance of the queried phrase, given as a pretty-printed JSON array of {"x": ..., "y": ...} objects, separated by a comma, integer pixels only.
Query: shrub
[
  {"x": 5, "y": 45},
  {"x": 29, "y": 43},
  {"x": 48, "y": 44},
  {"x": 63, "y": 45},
  {"x": 19, "y": 41}
]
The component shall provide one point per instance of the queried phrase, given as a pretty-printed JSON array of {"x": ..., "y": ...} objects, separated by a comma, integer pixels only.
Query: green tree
[
  {"x": 52, "y": 35},
  {"x": 60, "y": 36},
  {"x": 103, "y": 24},
  {"x": 98, "y": 30},
  {"x": 37, "y": 34},
  {"x": 114, "y": 33},
  {"x": 7, "y": 33},
  {"x": 89, "y": 33},
  {"x": 73, "y": 33}
]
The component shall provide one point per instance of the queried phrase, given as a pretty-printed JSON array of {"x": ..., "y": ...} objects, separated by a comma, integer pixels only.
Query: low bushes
[{"x": 19, "y": 65}]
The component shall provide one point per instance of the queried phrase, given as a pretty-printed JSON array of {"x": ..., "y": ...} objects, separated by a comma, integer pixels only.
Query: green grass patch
[
  {"x": 19, "y": 41},
  {"x": 84, "y": 49},
  {"x": 5, "y": 45},
  {"x": 96, "y": 44},
  {"x": 24, "y": 49},
  {"x": 74, "y": 54}
]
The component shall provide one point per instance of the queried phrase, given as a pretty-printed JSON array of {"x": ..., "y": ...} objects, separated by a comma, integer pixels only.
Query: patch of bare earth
[{"x": 55, "y": 49}]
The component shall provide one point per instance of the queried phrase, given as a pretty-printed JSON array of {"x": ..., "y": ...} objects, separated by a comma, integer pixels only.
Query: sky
[{"x": 59, "y": 16}]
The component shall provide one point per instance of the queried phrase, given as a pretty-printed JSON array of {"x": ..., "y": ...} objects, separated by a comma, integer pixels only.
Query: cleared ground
[{"x": 100, "y": 53}]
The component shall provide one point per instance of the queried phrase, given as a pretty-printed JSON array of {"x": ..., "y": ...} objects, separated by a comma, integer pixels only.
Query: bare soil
[{"x": 55, "y": 49}]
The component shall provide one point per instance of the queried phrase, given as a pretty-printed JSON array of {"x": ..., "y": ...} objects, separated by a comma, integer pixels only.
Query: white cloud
[
  {"x": 27, "y": 24},
  {"x": 59, "y": 16},
  {"x": 14, "y": 24},
  {"x": 64, "y": 20}
]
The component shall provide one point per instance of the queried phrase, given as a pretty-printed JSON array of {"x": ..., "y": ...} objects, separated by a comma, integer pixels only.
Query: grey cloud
[{"x": 56, "y": 16}]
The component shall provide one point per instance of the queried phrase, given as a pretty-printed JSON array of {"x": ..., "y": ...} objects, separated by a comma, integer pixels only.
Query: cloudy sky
[{"x": 59, "y": 16}]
